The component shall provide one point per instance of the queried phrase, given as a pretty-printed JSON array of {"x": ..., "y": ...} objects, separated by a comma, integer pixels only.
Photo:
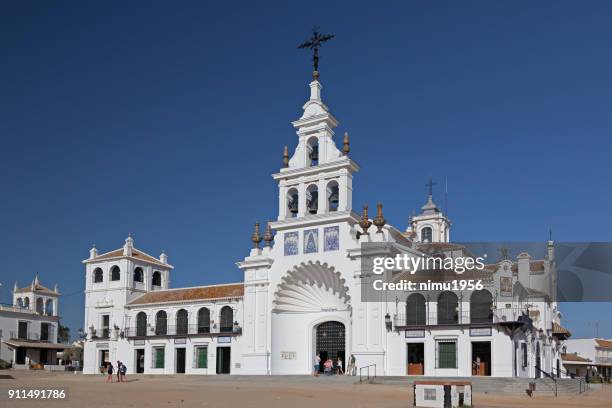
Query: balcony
[
  {"x": 47, "y": 336},
  {"x": 100, "y": 334},
  {"x": 460, "y": 318},
  {"x": 191, "y": 330}
]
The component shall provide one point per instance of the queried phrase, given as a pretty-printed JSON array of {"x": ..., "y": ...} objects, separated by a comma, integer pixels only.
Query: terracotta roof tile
[
  {"x": 558, "y": 329},
  {"x": 37, "y": 288},
  {"x": 135, "y": 254},
  {"x": 574, "y": 357},
  {"x": 603, "y": 342},
  {"x": 190, "y": 294}
]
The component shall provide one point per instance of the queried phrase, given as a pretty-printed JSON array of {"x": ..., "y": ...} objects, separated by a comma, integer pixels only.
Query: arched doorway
[{"x": 330, "y": 342}]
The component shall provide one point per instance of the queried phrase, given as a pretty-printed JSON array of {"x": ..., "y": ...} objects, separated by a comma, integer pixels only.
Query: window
[
  {"x": 40, "y": 307},
  {"x": 429, "y": 394},
  {"x": 98, "y": 275},
  {"x": 115, "y": 273},
  {"x": 226, "y": 319},
  {"x": 524, "y": 353},
  {"x": 415, "y": 310},
  {"x": 181, "y": 322},
  {"x": 201, "y": 357},
  {"x": 20, "y": 303},
  {"x": 481, "y": 307},
  {"x": 161, "y": 323},
  {"x": 313, "y": 151},
  {"x": 44, "y": 332},
  {"x": 26, "y": 303},
  {"x": 138, "y": 274},
  {"x": 426, "y": 234},
  {"x": 141, "y": 324},
  {"x": 203, "y": 320},
  {"x": 156, "y": 279},
  {"x": 105, "y": 326},
  {"x": 159, "y": 356},
  {"x": 49, "y": 307},
  {"x": 448, "y": 308},
  {"x": 447, "y": 353}
]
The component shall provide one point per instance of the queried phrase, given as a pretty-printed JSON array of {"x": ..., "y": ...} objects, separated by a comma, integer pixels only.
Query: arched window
[
  {"x": 481, "y": 307},
  {"x": 333, "y": 196},
  {"x": 49, "y": 307},
  {"x": 115, "y": 273},
  {"x": 203, "y": 320},
  {"x": 40, "y": 307},
  {"x": 313, "y": 151},
  {"x": 156, "y": 279},
  {"x": 448, "y": 308},
  {"x": 312, "y": 199},
  {"x": 415, "y": 310},
  {"x": 161, "y": 323},
  {"x": 292, "y": 202},
  {"x": 26, "y": 303},
  {"x": 98, "y": 275},
  {"x": 141, "y": 324},
  {"x": 181, "y": 322},
  {"x": 138, "y": 274},
  {"x": 226, "y": 319},
  {"x": 426, "y": 234},
  {"x": 20, "y": 303}
]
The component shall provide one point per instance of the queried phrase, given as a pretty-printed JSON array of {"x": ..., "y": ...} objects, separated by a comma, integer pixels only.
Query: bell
[
  {"x": 313, "y": 202},
  {"x": 293, "y": 205},
  {"x": 314, "y": 154}
]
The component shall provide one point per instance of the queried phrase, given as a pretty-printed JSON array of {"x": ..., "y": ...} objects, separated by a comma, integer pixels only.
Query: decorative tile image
[
  {"x": 311, "y": 241},
  {"x": 291, "y": 243},
  {"x": 332, "y": 238}
]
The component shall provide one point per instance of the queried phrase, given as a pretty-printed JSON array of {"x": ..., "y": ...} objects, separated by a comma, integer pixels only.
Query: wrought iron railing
[
  {"x": 463, "y": 317},
  {"x": 177, "y": 330},
  {"x": 34, "y": 336}
]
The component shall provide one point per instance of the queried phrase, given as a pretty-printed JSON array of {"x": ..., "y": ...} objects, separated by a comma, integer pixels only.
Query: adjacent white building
[
  {"x": 302, "y": 292},
  {"x": 29, "y": 327},
  {"x": 590, "y": 357}
]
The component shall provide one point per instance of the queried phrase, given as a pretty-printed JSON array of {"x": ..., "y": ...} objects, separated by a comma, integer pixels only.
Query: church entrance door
[{"x": 331, "y": 342}]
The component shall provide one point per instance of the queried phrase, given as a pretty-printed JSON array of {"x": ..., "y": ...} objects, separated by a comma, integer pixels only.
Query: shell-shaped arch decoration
[{"x": 311, "y": 287}]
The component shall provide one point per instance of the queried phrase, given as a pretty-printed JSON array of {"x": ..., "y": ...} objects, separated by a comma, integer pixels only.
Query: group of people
[
  {"x": 121, "y": 370},
  {"x": 334, "y": 367}
]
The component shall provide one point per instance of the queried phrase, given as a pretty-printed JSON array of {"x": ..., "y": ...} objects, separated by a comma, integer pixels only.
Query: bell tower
[
  {"x": 317, "y": 180},
  {"x": 431, "y": 225}
]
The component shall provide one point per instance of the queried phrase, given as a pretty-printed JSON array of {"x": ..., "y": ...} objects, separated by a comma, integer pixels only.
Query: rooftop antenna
[{"x": 446, "y": 195}]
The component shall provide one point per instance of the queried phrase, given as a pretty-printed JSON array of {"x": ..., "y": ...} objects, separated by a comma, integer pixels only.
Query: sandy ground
[{"x": 237, "y": 391}]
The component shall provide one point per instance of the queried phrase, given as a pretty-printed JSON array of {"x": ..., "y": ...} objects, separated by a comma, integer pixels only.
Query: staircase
[{"x": 501, "y": 385}]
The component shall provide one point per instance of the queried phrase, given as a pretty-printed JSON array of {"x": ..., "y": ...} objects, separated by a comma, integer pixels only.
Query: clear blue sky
[{"x": 167, "y": 120}]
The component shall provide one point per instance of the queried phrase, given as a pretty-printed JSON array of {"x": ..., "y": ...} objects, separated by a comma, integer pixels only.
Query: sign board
[
  {"x": 102, "y": 345},
  {"x": 288, "y": 355},
  {"x": 415, "y": 334},
  {"x": 480, "y": 331},
  {"x": 225, "y": 339},
  {"x": 139, "y": 342},
  {"x": 180, "y": 340}
]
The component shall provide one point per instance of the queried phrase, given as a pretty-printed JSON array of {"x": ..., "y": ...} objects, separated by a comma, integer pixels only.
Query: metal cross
[
  {"x": 314, "y": 43},
  {"x": 430, "y": 184}
]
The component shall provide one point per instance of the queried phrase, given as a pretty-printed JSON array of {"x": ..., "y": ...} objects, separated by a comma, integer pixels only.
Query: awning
[{"x": 35, "y": 345}]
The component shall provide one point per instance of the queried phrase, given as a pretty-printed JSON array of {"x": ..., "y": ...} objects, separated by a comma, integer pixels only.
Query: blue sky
[{"x": 167, "y": 120}]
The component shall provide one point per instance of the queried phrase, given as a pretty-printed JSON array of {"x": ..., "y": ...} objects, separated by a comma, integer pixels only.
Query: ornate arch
[{"x": 311, "y": 287}]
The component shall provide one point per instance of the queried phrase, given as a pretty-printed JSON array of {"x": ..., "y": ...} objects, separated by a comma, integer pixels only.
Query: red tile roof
[
  {"x": 118, "y": 253},
  {"x": 233, "y": 290},
  {"x": 603, "y": 342},
  {"x": 574, "y": 357}
]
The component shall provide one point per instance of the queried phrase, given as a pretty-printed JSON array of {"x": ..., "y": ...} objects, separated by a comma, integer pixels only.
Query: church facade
[{"x": 302, "y": 292}]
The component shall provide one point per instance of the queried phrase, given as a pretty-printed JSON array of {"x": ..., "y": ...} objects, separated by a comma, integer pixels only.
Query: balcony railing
[
  {"x": 177, "y": 330},
  {"x": 103, "y": 333},
  {"x": 34, "y": 336},
  {"x": 497, "y": 316}
]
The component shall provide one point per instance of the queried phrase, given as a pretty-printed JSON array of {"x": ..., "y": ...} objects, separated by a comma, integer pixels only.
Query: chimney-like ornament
[
  {"x": 56, "y": 288},
  {"x": 129, "y": 245},
  {"x": 365, "y": 222},
  {"x": 36, "y": 280},
  {"x": 163, "y": 258},
  {"x": 15, "y": 287},
  {"x": 268, "y": 237},
  {"x": 346, "y": 147},
  {"x": 379, "y": 221},
  {"x": 93, "y": 252},
  {"x": 286, "y": 157},
  {"x": 256, "y": 238}
]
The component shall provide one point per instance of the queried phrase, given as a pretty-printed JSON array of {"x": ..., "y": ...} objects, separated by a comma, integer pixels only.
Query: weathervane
[{"x": 314, "y": 43}]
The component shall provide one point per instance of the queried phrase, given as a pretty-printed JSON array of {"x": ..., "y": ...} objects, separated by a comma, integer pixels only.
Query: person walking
[
  {"x": 317, "y": 364},
  {"x": 118, "y": 371},
  {"x": 352, "y": 365},
  {"x": 339, "y": 363},
  {"x": 123, "y": 372},
  {"x": 109, "y": 372}
]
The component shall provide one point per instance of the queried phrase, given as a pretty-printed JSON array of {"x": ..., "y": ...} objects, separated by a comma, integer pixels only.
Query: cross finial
[
  {"x": 314, "y": 43},
  {"x": 430, "y": 185}
]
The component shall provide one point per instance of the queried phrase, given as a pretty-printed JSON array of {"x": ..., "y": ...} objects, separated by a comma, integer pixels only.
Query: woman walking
[{"x": 109, "y": 371}]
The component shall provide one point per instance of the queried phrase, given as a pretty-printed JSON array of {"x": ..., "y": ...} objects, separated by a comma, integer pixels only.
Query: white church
[{"x": 302, "y": 292}]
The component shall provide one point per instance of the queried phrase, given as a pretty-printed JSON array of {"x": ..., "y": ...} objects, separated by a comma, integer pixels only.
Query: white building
[
  {"x": 584, "y": 357},
  {"x": 301, "y": 293},
  {"x": 29, "y": 327}
]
